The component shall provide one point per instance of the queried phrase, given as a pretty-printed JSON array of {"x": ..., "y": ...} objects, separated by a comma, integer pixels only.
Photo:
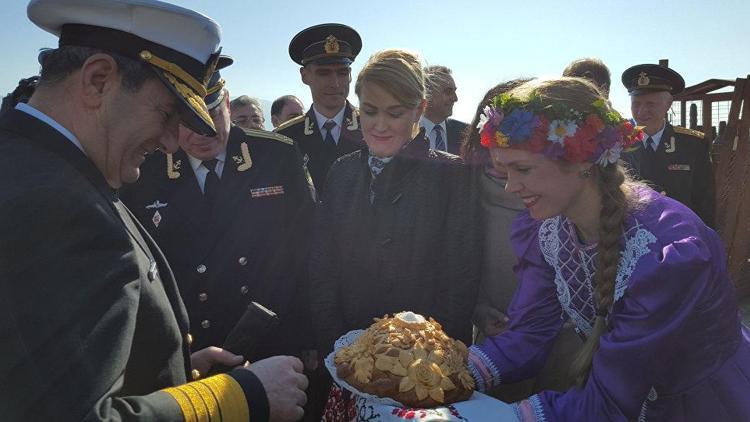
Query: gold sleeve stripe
[
  {"x": 201, "y": 404},
  {"x": 183, "y": 400},
  {"x": 217, "y": 398},
  {"x": 233, "y": 403}
]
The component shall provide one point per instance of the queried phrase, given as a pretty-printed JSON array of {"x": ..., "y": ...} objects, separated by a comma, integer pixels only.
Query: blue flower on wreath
[{"x": 518, "y": 125}]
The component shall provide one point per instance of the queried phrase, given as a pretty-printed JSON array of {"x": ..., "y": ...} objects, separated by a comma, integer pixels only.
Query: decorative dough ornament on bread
[{"x": 408, "y": 359}]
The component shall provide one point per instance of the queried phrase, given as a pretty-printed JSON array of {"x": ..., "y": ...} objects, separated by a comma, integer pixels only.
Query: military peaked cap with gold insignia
[
  {"x": 327, "y": 43},
  {"x": 215, "y": 88},
  {"x": 645, "y": 78},
  {"x": 179, "y": 44}
]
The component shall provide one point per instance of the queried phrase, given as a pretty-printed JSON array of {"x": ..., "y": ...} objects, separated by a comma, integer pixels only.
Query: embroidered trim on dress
[
  {"x": 652, "y": 396},
  {"x": 555, "y": 236},
  {"x": 530, "y": 410},
  {"x": 483, "y": 369}
]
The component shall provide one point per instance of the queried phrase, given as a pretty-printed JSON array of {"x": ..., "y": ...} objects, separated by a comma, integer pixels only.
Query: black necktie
[
  {"x": 211, "y": 186},
  {"x": 650, "y": 145},
  {"x": 439, "y": 141},
  {"x": 328, "y": 141}
]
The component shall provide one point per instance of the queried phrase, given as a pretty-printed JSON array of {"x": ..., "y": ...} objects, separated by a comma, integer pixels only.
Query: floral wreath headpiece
[{"x": 597, "y": 135}]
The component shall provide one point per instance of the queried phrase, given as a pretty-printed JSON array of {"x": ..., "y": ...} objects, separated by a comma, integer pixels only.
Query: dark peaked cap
[
  {"x": 327, "y": 43},
  {"x": 645, "y": 78}
]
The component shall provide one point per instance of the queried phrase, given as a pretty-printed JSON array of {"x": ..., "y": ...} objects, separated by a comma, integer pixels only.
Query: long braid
[{"x": 612, "y": 215}]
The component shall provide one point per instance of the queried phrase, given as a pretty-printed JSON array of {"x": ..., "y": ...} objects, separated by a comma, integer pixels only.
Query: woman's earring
[{"x": 585, "y": 173}]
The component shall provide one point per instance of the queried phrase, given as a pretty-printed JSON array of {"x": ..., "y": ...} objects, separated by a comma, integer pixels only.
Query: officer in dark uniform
[
  {"x": 330, "y": 128},
  {"x": 232, "y": 215},
  {"x": 675, "y": 160}
]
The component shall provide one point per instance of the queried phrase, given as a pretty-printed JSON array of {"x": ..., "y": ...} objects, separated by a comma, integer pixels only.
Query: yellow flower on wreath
[{"x": 501, "y": 140}]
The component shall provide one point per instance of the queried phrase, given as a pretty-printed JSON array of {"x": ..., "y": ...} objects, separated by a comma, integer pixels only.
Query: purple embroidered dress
[{"x": 674, "y": 349}]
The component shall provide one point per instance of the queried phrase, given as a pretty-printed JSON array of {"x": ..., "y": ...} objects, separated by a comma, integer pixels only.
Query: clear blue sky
[{"x": 484, "y": 42}]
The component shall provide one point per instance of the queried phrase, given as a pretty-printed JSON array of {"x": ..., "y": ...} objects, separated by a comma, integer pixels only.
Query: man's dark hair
[
  {"x": 21, "y": 94},
  {"x": 592, "y": 69},
  {"x": 279, "y": 104},
  {"x": 57, "y": 64}
]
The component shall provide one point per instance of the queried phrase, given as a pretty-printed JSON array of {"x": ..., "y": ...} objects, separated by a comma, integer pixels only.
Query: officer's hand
[
  {"x": 204, "y": 359},
  {"x": 285, "y": 386},
  {"x": 490, "y": 321}
]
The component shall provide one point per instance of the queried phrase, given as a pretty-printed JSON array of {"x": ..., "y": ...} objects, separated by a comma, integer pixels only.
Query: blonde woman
[{"x": 395, "y": 227}]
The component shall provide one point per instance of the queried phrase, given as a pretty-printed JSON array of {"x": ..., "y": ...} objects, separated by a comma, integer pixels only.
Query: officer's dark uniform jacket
[
  {"x": 91, "y": 322},
  {"x": 251, "y": 246},
  {"x": 680, "y": 168},
  {"x": 309, "y": 137}
]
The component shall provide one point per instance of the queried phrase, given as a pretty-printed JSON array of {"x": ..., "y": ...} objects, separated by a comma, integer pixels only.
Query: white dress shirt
[
  {"x": 31, "y": 111},
  {"x": 201, "y": 171},
  {"x": 656, "y": 137},
  {"x": 429, "y": 131},
  {"x": 338, "y": 118}
]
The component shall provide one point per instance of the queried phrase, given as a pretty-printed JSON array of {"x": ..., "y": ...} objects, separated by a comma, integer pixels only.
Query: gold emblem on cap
[
  {"x": 146, "y": 55},
  {"x": 643, "y": 79},
  {"x": 332, "y": 45}
]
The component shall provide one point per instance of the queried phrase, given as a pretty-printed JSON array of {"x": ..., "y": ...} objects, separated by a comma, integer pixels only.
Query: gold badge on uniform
[
  {"x": 332, "y": 45},
  {"x": 643, "y": 79}
]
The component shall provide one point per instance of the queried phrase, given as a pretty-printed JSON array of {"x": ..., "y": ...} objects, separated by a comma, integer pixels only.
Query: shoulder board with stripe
[
  {"x": 290, "y": 122},
  {"x": 268, "y": 135},
  {"x": 686, "y": 131}
]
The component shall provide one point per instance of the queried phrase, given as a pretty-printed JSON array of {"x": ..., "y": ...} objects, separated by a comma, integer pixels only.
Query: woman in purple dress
[{"x": 639, "y": 274}]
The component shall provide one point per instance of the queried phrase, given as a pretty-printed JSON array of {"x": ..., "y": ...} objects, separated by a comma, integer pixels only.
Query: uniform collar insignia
[
  {"x": 353, "y": 122},
  {"x": 670, "y": 148},
  {"x": 244, "y": 161},
  {"x": 308, "y": 126},
  {"x": 172, "y": 167}
]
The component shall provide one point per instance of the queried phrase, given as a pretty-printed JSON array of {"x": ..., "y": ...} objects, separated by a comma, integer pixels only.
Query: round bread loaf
[{"x": 409, "y": 359}]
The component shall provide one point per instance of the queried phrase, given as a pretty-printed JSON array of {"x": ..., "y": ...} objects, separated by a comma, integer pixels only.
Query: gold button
[
  {"x": 146, "y": 55},
  {"x": 195, "y": 374},
  {"x": 242, "y": 261},
  {"x": 201, "y": 269},
  {"x": 203, "y": 297},
  {"x": 189, "y": 339},
  {"x": 244, "y": 290},
  {"x": 205, "y": 323},
  {"x": 663, "y": 192}
]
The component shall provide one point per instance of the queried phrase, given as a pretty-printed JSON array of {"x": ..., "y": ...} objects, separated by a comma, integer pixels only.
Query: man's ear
[
  {"x": 304, "y": 73},
  {"x": 98, "y": 76}
]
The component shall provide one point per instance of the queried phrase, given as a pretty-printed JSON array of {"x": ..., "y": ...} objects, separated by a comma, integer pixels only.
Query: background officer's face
[
  {"x": 208, "y": 147},
  {"x": 248, "y": 117},
  {"x": 650, "y": 108},
  {"x": 291, "y": 109},
  {"x": 441, "y": 101},
  {"x": 329, "y": 84}
]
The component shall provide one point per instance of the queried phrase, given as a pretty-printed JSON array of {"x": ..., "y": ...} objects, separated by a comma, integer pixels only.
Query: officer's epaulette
[
  {"x": 269, "y": 135},
  {"x": 685, "y": 131},
  {"x": 290, "y": 122}
]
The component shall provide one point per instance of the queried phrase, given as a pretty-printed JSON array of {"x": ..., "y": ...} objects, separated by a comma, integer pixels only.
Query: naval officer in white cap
[{"x": 91, "y": 323}]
